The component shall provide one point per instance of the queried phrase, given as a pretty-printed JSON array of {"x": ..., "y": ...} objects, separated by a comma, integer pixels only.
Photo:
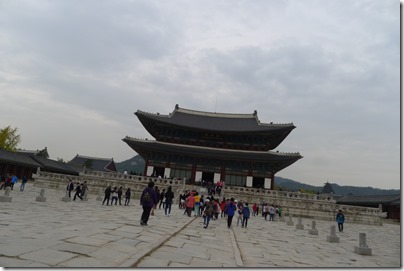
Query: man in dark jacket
[
  {"x": 107, "y": 195},
  {"x": 148, "y": 200}
]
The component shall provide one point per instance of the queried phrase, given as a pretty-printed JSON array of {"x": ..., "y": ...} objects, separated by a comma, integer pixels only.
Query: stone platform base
[{"x": 363, "y": 250}]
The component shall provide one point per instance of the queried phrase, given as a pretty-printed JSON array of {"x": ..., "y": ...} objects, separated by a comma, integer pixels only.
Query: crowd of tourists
[{"x": 209, "y": 208}]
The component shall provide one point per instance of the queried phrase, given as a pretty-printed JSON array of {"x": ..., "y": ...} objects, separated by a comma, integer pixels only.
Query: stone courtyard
[{"x": 54, "y": 233}]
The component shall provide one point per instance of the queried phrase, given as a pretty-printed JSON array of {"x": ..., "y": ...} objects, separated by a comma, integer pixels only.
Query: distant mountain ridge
[{"x": 136, "y": 164}]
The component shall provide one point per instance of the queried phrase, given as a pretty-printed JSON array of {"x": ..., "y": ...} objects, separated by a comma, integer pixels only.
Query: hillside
[{"x": 135, "y": 165}]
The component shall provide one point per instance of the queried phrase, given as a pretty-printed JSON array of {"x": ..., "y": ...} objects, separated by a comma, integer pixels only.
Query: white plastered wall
[
  {"x": 198, "y": 176},
  {"x": 267, "y": 183},
  {"x": 249, "y": 181},
  {"x": 167, "y": 172},
  {"x": 149, "y": 170}
]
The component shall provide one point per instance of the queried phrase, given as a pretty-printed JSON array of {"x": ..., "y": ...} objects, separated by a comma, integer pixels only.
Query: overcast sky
[{"x": 72, "y": 73}]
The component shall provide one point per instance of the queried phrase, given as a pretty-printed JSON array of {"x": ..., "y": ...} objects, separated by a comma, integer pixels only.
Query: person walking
[
  {"x": 169, "y": 196},
  {"x": 14, "y": 180},
  {"x": 190, "y": 202},
  {"x": 148, "y": 200},
  {"x": 246, "y": 215},
  {"x": 239, "y": 212},
  {"x": 272, "y": 211},
  {"x": 84, "y": 189},
  {"x": 114, "y": 195},
  {"x": 340, "y": 218},
  {"x": 107, "y": 195},
  {"x": 120, "y": 195},
  {"x": 70, "y": 187},
  {"x": 161, "y": 196},
  {"x": 78, "y": 192},
  {"x": 231, "y": 209},
  {"x": 127, "y": 196},
  {"x": 24, "y": 181},
  {"x": 207, "y": 212}
]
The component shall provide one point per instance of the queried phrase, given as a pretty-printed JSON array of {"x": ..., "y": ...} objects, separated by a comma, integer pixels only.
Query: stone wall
[{"x": 311, "y": 206}]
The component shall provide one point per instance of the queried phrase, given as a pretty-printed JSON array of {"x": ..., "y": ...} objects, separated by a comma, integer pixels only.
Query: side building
[
  {"x": 80, "y": 162},
  {"x": 197, "y": 145}
]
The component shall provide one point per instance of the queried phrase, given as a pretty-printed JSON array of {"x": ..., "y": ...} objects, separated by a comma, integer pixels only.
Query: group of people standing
[
  {"x": 11, "y": 180},
  {"x": 115, "y": 195}
]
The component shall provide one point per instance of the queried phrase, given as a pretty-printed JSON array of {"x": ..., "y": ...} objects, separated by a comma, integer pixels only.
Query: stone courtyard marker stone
[
  {"x": 66, "y": 197},
  {"x": 6, "y": 197},
  {"x": 290, "y": 221},
  {"x": 299, "y": 225},
  {"x": 313, "y": 230},
  {"x": 363, "y": 248},
  {"x": 41, "y": 196},
  {"x": 333, "y": 238}
]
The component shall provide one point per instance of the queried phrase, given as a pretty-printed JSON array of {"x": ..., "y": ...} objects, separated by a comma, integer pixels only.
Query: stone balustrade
[
  {"x": 312, "y": 206},
  {"x": 98, "y": 181}
]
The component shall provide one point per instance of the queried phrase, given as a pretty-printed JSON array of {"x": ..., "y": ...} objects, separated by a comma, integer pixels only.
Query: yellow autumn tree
[{"x": 9, "y": 139}]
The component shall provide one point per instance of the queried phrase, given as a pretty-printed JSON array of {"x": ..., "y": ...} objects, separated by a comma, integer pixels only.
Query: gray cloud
[{"x": 74, "y": 72}]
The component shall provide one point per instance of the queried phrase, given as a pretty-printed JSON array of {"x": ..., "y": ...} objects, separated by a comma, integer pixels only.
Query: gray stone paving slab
[{"x": 48, "y": 256}]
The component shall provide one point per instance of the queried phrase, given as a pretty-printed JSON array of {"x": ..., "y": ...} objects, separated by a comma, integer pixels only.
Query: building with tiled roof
[
  {"x": 93, "y": 163},
  {"x": 24, "y": 163},
  {"x": 197, "y": 145},
  {"x": 390, "y": 203}
]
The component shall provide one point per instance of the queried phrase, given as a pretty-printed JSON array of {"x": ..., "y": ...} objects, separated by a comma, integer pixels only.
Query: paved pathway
[{"x": 86, "y": 234}]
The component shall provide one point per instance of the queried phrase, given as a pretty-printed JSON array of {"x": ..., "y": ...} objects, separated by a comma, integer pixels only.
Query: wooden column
[{"x": 272, "y": 181}]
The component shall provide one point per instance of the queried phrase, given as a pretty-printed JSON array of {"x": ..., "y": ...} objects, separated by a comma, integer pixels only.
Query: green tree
[
  {"x": 9, "y": 139},
  {"x": 43, "y": 153},
  {"x": 60, "y": 160}
]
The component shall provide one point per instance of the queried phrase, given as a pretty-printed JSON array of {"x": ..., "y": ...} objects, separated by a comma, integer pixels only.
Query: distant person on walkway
[
  {"x": 254, "y": 209},
  {"x": 70, "y": 188},
  {"x": 231, "y": 209},
  {"x": 239, "y": 214},
  {"x": 169, "y": 196},
  {"x": 272, "y": 211},
  {"x": 114, "y": 195},
  {"x": 279, "y": 209},
  {"x": 127, "y": 196},
  {"x": 190, "y": 202},
  {"x": 14, "y": 180},
  {"x": 84, "y": 189},
  {"x": 162, "y": 194},
  {"x": 197, "y": 198},
  {"x": 207, "y": 212},
  {"x": 246, "y": 215},
  {"x": 24, "y": 181},
  {"x": 107, "y": 195},
  {"x": 120, "y": 195},
  {"x": 78, "y": 191},
  {"x": 340, "y": 218},
  {"x": 148, "y": 200}
]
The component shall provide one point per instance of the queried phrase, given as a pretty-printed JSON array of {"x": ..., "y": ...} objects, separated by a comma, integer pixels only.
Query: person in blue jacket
[
  {"x": 148, "y": 200},
  {"x": 246, "y": 215},
  {"x": 340, "y": 218},
  {"x": 231, "y": 208}
]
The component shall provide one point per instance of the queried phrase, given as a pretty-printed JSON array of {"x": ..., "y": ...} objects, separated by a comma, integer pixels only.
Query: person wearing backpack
[{"x": 148, "y": 200}]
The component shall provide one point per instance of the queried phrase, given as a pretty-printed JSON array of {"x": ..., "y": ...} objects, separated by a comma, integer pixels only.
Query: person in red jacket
[{"x": 190, "y": 202}]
